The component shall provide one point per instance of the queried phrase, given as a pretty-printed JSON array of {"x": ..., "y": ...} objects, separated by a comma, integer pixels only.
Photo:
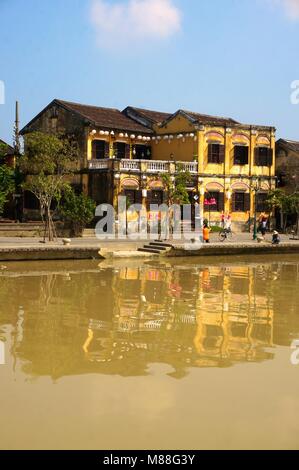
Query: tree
[
  {"x": 288, "y": 204},
  {"x": 177, "y": 188},
  {"x": 48, "y": 162},
  {"x": 7, "y": 179},
  {"x": 78, "y": 210}
]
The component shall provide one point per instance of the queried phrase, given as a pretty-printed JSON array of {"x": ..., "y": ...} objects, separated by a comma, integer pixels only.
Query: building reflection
[{"x": 122, "y": 320}]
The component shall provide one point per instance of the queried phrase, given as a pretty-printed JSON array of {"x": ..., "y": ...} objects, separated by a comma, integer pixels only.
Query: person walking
[{"x": 263, "y": 224}]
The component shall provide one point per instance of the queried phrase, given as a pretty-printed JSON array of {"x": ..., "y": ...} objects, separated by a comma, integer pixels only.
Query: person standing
[
  {"x": 206, "y": 234},
  {"x": 264, "y": 222},
  {"x": 228, "y": 223}
]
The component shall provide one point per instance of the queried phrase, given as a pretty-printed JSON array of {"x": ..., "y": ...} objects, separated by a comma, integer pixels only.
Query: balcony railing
[
  {"x": 142, "y": 166},
  {"x": 192, "y": 167},
  {"x": 99, "y": 164},
  {"x": 130, "y": 165},
  {"x": 155, "y": 166}
]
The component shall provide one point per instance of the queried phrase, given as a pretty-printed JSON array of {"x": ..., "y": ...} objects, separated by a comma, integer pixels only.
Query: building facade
[
  {"x": 287, "y": 164},
  {"x": 232, "y": 165}
]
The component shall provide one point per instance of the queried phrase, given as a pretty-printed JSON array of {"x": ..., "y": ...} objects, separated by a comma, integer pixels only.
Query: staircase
[{"x": 156, "y": 247}]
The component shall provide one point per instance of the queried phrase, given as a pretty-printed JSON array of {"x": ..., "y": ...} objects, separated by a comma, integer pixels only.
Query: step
[
  {"x": 149, "y": 250},
  {"x": 165, "y": 245},
  {"x": 156, "y": 247}
]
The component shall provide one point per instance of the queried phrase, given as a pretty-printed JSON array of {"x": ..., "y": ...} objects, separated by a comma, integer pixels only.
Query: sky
[{"x": 236, "y": 58}]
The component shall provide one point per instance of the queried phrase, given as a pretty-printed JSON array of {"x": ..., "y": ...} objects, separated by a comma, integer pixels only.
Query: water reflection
[{"x": 120, "y": 319}]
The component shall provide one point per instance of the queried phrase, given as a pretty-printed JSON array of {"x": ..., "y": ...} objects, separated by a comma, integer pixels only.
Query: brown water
[{"x": 163, "y": 356}]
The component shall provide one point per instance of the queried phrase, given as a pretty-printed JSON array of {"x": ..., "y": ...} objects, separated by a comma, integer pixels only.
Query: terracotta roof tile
[
  {"x": 207, "y": 119},
  {"x": 105, "y": 117},
  {"x": 155, "y": 116}
]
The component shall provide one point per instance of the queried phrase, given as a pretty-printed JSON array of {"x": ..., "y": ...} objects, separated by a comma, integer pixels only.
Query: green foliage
[
  {"x": 216, "y": 229},
  {"x": 7, "y": 179},
  {"x": 48, "y": 154},
  {"x": 47, "y": 162},
  {"x": 79, "y": 210},
  {"x": 287, "y": 203},
  {"x": 177, "y": 189}
]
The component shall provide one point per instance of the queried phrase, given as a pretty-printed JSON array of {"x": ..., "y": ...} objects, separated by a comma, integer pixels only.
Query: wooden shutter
[
  {"x": 270, "y": 157},
  {"x": 94, "y": 149},
  {"x": 138, "y": 197},
  {"x": 107, "y": 148},
  {"x": 221, "y": 153},
  {"x": 246, "y": 202},
  {"x": 210, "y": 153},
  {"x": 234, "y": 202},
  {"x": 257, "y": 156},
  {"x": 221, "y": 202}
]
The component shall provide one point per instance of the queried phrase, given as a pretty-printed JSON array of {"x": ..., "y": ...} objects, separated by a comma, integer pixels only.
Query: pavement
[{"x": 128, "y": 245}]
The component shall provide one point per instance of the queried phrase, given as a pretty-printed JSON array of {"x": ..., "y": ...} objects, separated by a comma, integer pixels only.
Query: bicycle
[{"x": 225, "y": 234}]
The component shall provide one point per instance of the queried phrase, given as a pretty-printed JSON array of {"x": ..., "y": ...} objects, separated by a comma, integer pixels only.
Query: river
[{"x": 184, "y": 354}]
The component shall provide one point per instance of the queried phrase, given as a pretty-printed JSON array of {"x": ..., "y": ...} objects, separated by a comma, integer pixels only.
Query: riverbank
[{"x": 32, "y": 249}]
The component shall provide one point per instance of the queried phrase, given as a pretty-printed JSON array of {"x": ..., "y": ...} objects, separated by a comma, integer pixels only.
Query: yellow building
[{"x": 232, "y": 165}]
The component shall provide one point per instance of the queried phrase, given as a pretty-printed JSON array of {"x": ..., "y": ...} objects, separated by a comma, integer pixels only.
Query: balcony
[
  {"x": 99, "y": 164},
  {"x": 142, "y": 166}
]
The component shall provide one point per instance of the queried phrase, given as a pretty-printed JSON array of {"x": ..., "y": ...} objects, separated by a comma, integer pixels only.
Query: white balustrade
[
  {"x": 130, "y": 165},
  {"x": 98, "y": 164},
  {"x": 156, "y": 166},
  {"x": 192, "y": 167}
]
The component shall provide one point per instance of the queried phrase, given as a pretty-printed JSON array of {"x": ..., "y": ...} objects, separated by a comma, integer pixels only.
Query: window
[
  {"x": 261, "y": 202},
  {"x": 216, "y": 153},
  {"x": 133, "y": 196},
  {"x": 157, "y": 197},
  {"x": 142, "y": 152},
  {"x": 120, "y": 150},
  {"x": 241, "y": 202},
  {"x": 263, "y": 156},
  {"x": 214, "y": 201},
  {"x": 98, "y": 149},
  {"x": 130, "y": 194},
  {"x": 241, "y": 155}
]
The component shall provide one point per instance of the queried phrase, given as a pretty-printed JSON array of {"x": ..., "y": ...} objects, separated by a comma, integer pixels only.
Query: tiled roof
[
  {"x": 105, "y": 117},
  {"x": 154, "y": 116},
  {"x": 10, "y": 150},
  {"x": 207, "y": 119},
  {"x": 291, "y": 144}
]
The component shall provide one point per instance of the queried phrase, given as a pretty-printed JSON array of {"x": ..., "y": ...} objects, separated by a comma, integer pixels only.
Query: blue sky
[{"x": 235, "y": 58}]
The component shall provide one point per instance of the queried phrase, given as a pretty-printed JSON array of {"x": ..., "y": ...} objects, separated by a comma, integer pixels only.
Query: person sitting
[{"x": 275, "y": 238}]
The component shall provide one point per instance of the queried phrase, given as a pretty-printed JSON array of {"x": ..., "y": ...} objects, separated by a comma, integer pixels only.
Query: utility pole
[{"x": 17, "y": 131}]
